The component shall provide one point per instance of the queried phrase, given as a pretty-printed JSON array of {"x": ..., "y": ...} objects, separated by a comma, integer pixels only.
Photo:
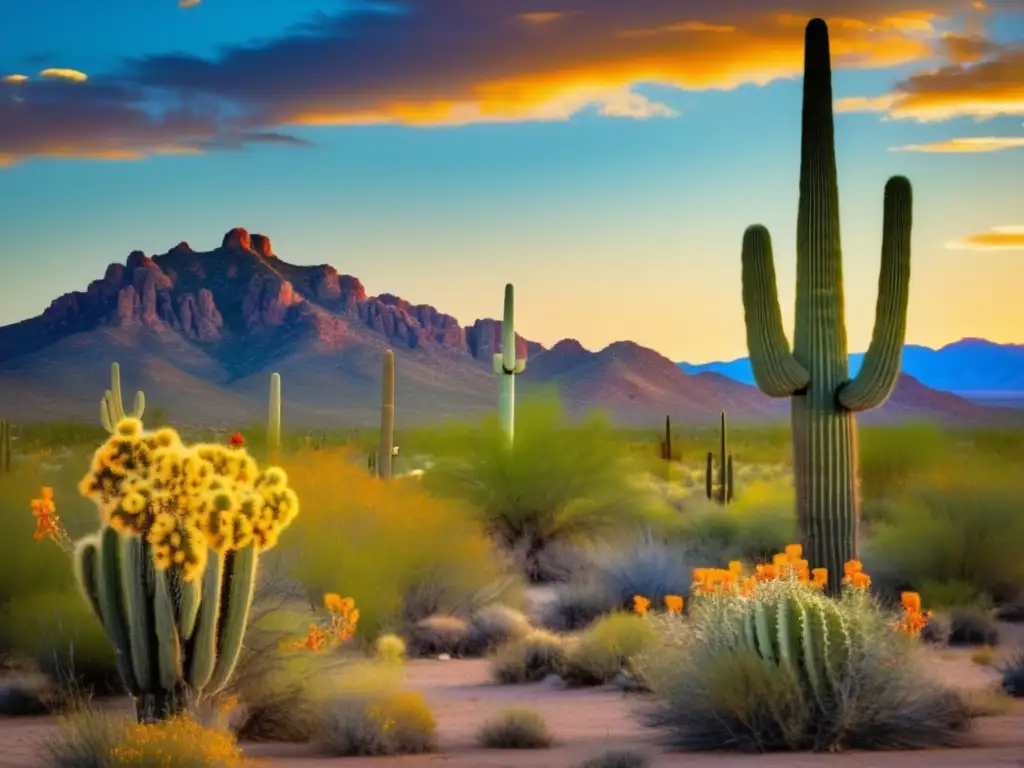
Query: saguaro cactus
[
  {"x": 171, "y": 572},
  {"x": 507, "y": 365},
  {"x": 112, "y": 406},
  {"x": 274, "y": 415},
  {"x": 5, "y": 447},
  {"x": 720, "y": 491},
  {"x": 815, "y": 374},
  {"x": 666, "y": 444},
  {"x": 385, "y": 449}
]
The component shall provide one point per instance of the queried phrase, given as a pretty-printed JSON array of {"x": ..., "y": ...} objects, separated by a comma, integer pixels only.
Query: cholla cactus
[{"x": 172, "y": 570}]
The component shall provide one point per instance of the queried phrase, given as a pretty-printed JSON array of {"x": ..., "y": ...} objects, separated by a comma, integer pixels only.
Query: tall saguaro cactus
[
  {"x": 815, "y": 374},
  {"x": 274, "y": 415},
  {"x": 112, "y": 406},
  {"x": 507, "y": 365},
  {"x": 5, "y": 447},
  {"x": 724, "y": 483},
  {"x": 386, "y": 446}
]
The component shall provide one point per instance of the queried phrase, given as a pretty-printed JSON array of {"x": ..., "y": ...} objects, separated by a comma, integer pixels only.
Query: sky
[{"x": 603, "y": 155}]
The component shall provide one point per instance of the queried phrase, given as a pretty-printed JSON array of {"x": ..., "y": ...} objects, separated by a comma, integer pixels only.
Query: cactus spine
[
  {"x": 5, "y": 447},
  {"x": 724, "y": 484},
  {"x": 112, "y": 406},
  {"x": 385, "y": 450},
  {"x": 274, "y": 415},
  {"x": 815, "y": 374},
  {"x": 507, "y": 365},
  {"x": 172, "y": 570}
]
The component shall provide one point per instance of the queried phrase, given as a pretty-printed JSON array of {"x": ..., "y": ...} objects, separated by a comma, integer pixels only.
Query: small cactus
[
  {"x": 385, "y": 449},
  {"x": 722, "y": 491},
  {"x": 666, "y": 444},
  {"x": 274, "y": 416},
  {"x": 112, "y": 406},
  {"x": 507, "y": 365},
  {"x": 171, "y": 572}
]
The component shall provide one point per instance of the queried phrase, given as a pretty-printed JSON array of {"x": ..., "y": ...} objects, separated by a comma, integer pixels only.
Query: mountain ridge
[{"x": 200, "y": 333}]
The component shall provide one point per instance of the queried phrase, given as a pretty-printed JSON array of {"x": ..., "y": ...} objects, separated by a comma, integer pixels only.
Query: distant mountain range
[
  {"x": 973, "y": 368},
  {"x": 200, "y": 333}
]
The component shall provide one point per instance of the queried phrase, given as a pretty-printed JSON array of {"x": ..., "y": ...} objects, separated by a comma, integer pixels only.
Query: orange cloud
[
  {"x": 400, "y": 67},
  {"x": 188, "y": 3},
  {"x": 14, "y": 79},
  {"x": 996, "y": 239},
  {"x": 979, "y": 89},
  {"x": 966, "y": 145},
  {"x": 60, "y": 73}
]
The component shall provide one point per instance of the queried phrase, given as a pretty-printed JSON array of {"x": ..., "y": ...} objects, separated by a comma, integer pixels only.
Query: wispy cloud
[
  {"x": 966, "y": 145},
  {"x": 400, "y": 66},
  {"x": 188, "y": 3},
  {"x": 14, "y": 79},
  {"x": 996, "y": 239}
]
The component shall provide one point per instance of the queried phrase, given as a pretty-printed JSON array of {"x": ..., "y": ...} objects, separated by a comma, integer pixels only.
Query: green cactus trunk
[
  {"x": 274, "y": 416},
  {"x": 709, "y": 476},
  {"x": 174, "y": 641},
  {"x": 815, "y": 375},
  {"x": 5, "y": 447},
  {"x": 385, "y": 450},
  {"x": 112, "y": 404},
  {"x": 667, "y": 451},
  {"x": 723, "y": 458},
  {"x": 730, "y": 483},
  {"x": 507, "y": 366}
]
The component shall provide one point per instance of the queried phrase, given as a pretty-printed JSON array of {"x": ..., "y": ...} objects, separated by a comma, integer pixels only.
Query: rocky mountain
[{"x": 200, "y": 332}]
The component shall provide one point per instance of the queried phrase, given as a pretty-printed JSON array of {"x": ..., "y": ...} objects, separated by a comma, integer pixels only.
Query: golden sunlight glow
[
  {"x": 60, "y": 73},
  {"x": 966, "y": 145},
  {"x": 996, "y": 239},
  {"x": 14, "y": 79}
]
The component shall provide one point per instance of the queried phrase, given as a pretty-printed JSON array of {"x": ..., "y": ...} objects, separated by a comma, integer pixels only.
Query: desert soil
[{"x": 588, "y": 722}]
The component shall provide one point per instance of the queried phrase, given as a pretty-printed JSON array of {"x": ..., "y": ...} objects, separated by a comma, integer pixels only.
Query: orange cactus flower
[
  {"x": 674, "y": 603},
  {"x": 860, "y": 580},
  {"x": 735, "y": 566},
  {"x": 911, "y": 602},
  {"x": 640, "y": 604},
  {"x": 236, "y": 440},
  {"x": 819, "y": 577},
  {"x": 794, "y": 552}
]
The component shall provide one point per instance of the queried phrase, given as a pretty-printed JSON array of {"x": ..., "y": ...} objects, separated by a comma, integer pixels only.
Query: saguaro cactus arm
[
  {"x": 881, "y": 367},
  {"x": 776, "y": 371}
]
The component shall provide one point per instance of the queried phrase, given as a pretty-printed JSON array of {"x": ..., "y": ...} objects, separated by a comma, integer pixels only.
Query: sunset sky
[{"x": 603, "y": 155}]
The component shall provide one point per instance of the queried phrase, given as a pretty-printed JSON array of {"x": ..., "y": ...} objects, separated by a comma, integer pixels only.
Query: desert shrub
[
  {"x": 22, "y": 697},
  {"x": 386, "y": 544},
  {"x": 972, "y": 626},
  {"x": 952, "y": 594},
  {"x": 962, "y": 536},
  {"x": 558, "y": 483},
  {"x": 936, "y": 630},
  {"x": 95, "y": 739},
  {"x": 529, "y": 659},
  {"x": 759, "y": 522},
  {"x": 1013, "y": 674},
  {"x": 645, "y": 565},
  {"x": 389, "y": 649},
  {"x": 492, "y": 626},
  {"x": 714, "y": 689},
  {"x": 435, "y": 635},
  {"x": 389, "y": 724},
  {"x": 577, "y": 605},
  {"x": 607, "y": 649},
  {"x": 515, "y": 729},
  {"x": 617, "y": 758},
  {"x": 893, "y": 457}
]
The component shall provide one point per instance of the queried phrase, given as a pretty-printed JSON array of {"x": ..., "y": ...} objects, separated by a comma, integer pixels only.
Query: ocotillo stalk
[
  {"x": 385, "y": 455},
  {"x": 815, "y": 374},
  {"x": 112, "y": 406},
  {"x": 709, "y": 476},
  {"x": 723, "y": 458},
  {"x": 507, "y": 365},
  {"x": 5, "y": 447},
  {"x": 274, "y": 415}
]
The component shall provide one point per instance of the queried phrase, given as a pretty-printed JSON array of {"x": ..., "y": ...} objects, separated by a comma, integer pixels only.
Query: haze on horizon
[{"x": 604, "y": 156}]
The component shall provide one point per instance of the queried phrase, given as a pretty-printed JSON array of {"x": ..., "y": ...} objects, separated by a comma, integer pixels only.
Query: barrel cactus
[
  {"x": 171, "y": 572},
  {"x": 815, "y": 374}
]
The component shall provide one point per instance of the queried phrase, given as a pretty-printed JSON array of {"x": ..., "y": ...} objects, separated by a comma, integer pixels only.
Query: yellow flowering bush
[
  {"x": 186, "y": 500},
  {"x": 179, "y": 742}
]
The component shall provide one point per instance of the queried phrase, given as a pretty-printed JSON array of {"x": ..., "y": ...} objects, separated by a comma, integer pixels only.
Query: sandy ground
[{"x": 588, "y": 722}]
